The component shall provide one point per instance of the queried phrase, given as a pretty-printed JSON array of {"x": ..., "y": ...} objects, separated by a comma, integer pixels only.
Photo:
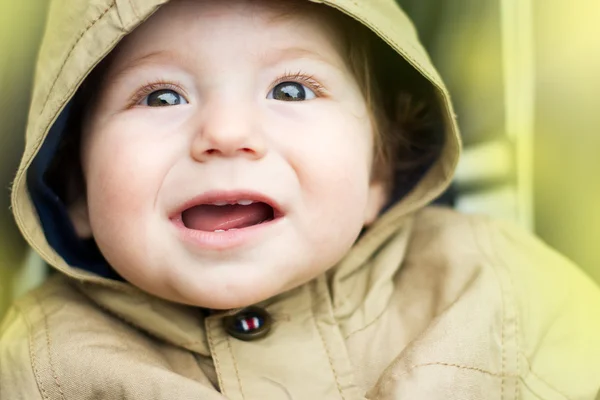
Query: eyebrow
[
  {"x": 272, "y": 57},
  {"x": 148, "y": 59}
]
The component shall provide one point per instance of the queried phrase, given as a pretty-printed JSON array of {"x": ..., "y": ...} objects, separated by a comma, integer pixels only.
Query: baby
[{"x": 233, "y": 196}]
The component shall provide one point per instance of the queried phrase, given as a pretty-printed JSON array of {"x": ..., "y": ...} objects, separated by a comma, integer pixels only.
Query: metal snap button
[{"x": 249, "y": 324}]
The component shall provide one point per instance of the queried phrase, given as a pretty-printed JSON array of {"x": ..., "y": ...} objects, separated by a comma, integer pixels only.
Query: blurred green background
[
  {"x": 21, "y": 29},
  {"x": 468, "y": 41}
]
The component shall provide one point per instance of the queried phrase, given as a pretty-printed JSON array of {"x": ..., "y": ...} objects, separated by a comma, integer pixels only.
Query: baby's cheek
[
  {"x": 119, "y": 182},
  {"x": 120, "y": 201},
  {"x": 340, "y": 196}
]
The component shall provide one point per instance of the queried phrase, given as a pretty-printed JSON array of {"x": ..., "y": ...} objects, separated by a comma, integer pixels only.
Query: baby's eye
[
  {"x": 291, "y": 91},
  {"x": 162, "y": 98}
]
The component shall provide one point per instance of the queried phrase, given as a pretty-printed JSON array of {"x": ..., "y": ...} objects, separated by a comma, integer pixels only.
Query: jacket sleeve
[
  {"x": 17, "y": 377},
  {"x": 557, "y": 318}
]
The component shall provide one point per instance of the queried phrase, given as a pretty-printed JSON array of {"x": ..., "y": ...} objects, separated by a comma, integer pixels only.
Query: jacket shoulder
[
  {"x": 549, "y": 309},
  {"x": 31, "y": 338},
  {"x": 59, "y": 344},
  {"x": 18, "y": 378}
]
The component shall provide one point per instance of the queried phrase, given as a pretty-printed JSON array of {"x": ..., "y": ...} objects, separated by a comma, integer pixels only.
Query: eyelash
[
  {"x": 299, "y": 77},
  {"x": 153, "y": 86}
]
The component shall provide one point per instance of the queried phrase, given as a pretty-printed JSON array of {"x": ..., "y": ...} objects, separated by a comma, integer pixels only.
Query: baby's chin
[
  {"x": 227, "y": 280},
  {"x": 222, "y": 295},
  {"x": 226, "y": 301}
]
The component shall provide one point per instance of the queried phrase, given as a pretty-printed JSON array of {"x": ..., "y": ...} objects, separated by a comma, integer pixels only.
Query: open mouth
[{"x": 223, "y": 216}]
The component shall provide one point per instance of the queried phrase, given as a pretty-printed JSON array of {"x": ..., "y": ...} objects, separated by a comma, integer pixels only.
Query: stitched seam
[
  {"x": 187, "y": 344},
  {"x": 48, "y": 346},
  {"x": 504, "y": 304},
  {"x": 337, "y": 382},
  {"x": 237, "y": 372},
  {"x": 459, "y": 366},
  {"x": 34, "y": 362},
  {"x": 394, "y": 377},
  {"x": 215, "y": 358},
  {"x": 516, "y": 320},
  {"x": 87, "y": 28}
]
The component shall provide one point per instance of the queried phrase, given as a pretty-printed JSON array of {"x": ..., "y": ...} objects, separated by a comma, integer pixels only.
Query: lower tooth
[{"x": 219, "y": 230}]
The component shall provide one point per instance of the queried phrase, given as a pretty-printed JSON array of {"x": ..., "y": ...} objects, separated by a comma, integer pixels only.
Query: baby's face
[{"x": 206, "y": 107}]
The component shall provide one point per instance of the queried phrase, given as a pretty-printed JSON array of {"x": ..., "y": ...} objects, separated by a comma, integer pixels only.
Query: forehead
[{"x": 203, "y": 28}]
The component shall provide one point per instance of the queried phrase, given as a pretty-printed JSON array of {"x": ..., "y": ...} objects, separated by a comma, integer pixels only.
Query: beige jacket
[{"x": 429, "y": 304}]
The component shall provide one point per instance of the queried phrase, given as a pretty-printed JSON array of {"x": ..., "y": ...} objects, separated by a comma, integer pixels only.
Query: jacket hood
[{"x": 79, "y": 34}]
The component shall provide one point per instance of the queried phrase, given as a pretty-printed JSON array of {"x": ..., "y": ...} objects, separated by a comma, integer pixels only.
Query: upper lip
[{"x": 229, "y": 196}]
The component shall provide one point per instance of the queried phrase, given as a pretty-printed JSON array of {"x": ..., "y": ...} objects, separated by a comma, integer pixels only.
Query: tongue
[{"x": 211, "y": 218}]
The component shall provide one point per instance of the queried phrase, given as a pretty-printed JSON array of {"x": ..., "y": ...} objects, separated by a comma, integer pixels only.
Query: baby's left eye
[
  {"x": 162, "y": 98},
  {"x": 291, "y": 91}
]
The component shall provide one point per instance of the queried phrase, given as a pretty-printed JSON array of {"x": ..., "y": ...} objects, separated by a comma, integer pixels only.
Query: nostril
[{"x": 211, "y": 151}]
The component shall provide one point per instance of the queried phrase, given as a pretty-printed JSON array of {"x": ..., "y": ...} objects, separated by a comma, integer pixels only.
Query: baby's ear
[
  {"x": 378, "y": 197},
  {"x": 80, "y": 218}
]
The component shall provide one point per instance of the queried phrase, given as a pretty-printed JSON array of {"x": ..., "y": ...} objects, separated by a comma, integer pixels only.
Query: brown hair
[
  {"x": 402, "y": 104},
  {"x": 402, "y": 107}
]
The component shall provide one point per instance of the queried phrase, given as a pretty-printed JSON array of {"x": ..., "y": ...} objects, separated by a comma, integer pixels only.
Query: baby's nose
[{"x": 228, "y": 133}]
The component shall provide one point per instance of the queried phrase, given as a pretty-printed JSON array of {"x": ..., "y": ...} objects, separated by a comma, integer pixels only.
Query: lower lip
[{"x": 223, "y": 240}]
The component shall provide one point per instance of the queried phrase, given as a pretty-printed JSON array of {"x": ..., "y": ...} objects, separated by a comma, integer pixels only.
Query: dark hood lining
[{"x": 52, "y": 211}]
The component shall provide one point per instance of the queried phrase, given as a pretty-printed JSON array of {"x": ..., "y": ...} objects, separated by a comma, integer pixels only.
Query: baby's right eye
[{"x": 162, "y": 98}]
